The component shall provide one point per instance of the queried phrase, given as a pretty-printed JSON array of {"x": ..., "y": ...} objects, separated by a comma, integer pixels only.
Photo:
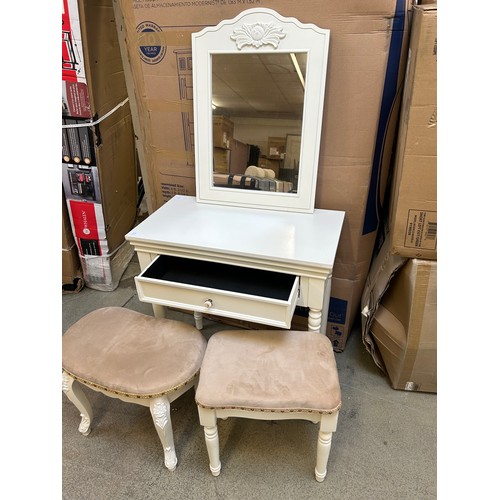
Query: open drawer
[{"x": 220, "y": 289}]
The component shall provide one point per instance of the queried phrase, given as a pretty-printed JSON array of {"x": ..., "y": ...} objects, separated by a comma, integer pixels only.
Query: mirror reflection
[{"x": 257, "y": 112}]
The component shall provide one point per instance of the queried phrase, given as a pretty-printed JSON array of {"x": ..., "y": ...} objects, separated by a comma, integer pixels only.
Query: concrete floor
[{"x": 384, "y": 447}]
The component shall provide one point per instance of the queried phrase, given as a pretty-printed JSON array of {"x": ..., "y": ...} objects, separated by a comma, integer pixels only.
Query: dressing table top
[{"x": 297, "y": 239}]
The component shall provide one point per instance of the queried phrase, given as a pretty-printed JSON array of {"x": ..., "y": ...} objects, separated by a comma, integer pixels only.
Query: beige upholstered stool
[
  {"x": 136, "y": 358},
  {"x": 269, "y": 375}
]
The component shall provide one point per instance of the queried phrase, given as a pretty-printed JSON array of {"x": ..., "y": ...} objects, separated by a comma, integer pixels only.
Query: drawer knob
[{"x": 208, "y": 303}]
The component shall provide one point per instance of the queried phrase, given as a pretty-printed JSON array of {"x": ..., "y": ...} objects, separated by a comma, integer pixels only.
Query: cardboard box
[
  {"x": 399, "y": 319},
  {"x": 412, "y": 224},
  {"x": 239, "y": 157},
  {"x": 276, "y": 147},
  {"x": 223, "y": 129},
  {"x": 75, "y": 95},
  {"x": 366, "y": 65},
  {"x": 221, "y": 160},
  {"x": 72, "y": 277},
  {"x": 102, "y": 186},
  {"x": 102, "y": 268}
]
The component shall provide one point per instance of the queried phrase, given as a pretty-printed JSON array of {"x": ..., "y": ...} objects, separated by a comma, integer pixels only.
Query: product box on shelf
[
  {"x": 75, "y": 95},
  {"x": 412, "y": 224},
  {"x": 99, "y": 171},
  {"x": 399, "y": 319},
  {"x": 102, "y": 267},
  {"x": 366, "y": 66},
  {"x": 72, "y": 277}
]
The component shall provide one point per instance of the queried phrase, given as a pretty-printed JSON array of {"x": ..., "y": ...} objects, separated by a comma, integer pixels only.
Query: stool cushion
[
  {"x": 130, "y": 353},
  {"x": 269, "y": 370}
]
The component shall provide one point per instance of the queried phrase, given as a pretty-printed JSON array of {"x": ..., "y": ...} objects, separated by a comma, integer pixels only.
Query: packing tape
[
  {"x": 171, "y": 38},
  {"x": 170, "y": 106},
  {"x": 423, "y": 275},
  {"x": 176, "y": 154}
]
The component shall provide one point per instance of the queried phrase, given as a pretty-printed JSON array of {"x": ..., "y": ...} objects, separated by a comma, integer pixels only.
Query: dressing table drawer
[{"x": 220, "y": 289}]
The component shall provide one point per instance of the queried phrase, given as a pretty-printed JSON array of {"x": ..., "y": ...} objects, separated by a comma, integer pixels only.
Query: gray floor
[{"x": 384, "y": 447}]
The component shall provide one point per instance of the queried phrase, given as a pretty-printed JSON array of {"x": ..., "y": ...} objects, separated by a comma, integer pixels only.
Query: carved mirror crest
[{"x": 259, "y": 82}]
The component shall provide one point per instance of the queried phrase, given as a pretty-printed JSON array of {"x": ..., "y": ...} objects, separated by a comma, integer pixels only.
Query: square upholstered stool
[
  {"x": 269, "y": 375},
  {"x": 136, "y": 358}
]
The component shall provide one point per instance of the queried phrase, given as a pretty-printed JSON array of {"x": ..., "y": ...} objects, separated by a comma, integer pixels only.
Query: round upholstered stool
[
  {"x": 136, "y": 358},
  {"x": 269, "y": 375}
]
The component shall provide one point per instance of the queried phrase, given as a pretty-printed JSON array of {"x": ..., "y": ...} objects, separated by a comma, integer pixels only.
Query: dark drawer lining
[{"x": 219, "y": 276}]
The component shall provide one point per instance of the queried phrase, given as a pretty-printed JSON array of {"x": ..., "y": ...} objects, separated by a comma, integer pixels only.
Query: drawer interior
[{"x": 221, "y": 276}]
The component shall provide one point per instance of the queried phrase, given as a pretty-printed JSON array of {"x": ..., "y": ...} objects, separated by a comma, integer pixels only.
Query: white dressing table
[
  {"x": 248, "y": 254},
  {"x": 298, "y": 251}
]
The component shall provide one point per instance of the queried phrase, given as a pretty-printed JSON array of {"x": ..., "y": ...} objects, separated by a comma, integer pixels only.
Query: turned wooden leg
[
  {"x": 158, "y": 311},
  {"x": 328, "y": 425},
  {"x": 160, "y": 411},
  {"x": 198, "y": 320},
  {"x": 79, "y": 399},
  {"x": 314, "y": 320},
  {"x": 323, "y": 452},
  {"x": 208, "y": 419}
]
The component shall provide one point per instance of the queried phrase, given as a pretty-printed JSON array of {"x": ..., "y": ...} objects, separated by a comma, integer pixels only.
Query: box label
[
  {"x": 87, "y": 221},
  {"x": 151, "y": 49},
  {"x": 336, "y": 335},
  {"x": 337, "y": 311},
  {"x": 421, "y": 229}
]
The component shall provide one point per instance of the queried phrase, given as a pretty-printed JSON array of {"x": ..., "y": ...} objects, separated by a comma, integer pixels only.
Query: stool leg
[
  {"x": 78, "y": 398},
  {"x": 208, "y": 419},
  {"x": 160, "y": 411},
  {"x": 328, "y": 424}
]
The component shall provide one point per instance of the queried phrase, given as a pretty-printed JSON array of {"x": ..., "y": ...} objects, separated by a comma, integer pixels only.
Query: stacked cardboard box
[
  {"x": 399, "y": 301},
  {"x": 366, "y": 64},
  {"x": 98, "y": 153},
  {"x": 72, "y": 278}
]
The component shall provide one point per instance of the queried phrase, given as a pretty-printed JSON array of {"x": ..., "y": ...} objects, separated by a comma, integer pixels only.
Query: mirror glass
[
  {"x": 252, "y": 128},
  {"x": 258, "y": 88}
]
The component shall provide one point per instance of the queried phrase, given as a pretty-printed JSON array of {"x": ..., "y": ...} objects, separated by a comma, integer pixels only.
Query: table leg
[
  {"x": 314, "y": 320},
  {"x": 158, "y": 311},
  {"x": 198, "y": 320}
]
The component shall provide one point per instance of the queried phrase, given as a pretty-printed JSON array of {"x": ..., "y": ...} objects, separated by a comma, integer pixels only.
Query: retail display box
[
  {"x": 366, "y": 65},
  {"x": 412, "y": 224},
  {"x": 72, "y": 277},
  {"x": 102, "y": 267},
  {"x": 399, "y": 319},
  {"x": 75, "y": 95},
  {"x": 99, "y": 175}
]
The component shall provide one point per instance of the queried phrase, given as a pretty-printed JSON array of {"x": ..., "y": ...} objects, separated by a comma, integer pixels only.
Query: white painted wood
[
  {"x": 303, "y": 245},
  {"x": 159, "y": 408},
  {"x": 293, "y": 37},
  {"x": 243, "y": 236},
  {"x": 198, "y": 320},
  {"x": 327, "y": 425},
  {"x": 79, "y": 399},
  {"x": 225, "y": 303},
  {"x": 160, "y": 411}
]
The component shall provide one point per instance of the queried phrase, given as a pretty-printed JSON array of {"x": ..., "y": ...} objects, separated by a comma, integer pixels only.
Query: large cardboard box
[
  {"x": 72, "y": 277},
  {"x": 366, "y": 65},
  {"x": 399, "y": 319},
  {"x": 412, "y": 224},
  {"x": 102, "y": 191}
]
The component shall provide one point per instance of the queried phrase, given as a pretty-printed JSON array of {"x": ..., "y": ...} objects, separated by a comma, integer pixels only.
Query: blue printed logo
[{"x": 151, "y": 49}]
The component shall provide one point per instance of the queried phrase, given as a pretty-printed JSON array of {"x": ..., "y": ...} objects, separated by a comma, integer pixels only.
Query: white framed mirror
[{"x": 258, "y": 90}]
